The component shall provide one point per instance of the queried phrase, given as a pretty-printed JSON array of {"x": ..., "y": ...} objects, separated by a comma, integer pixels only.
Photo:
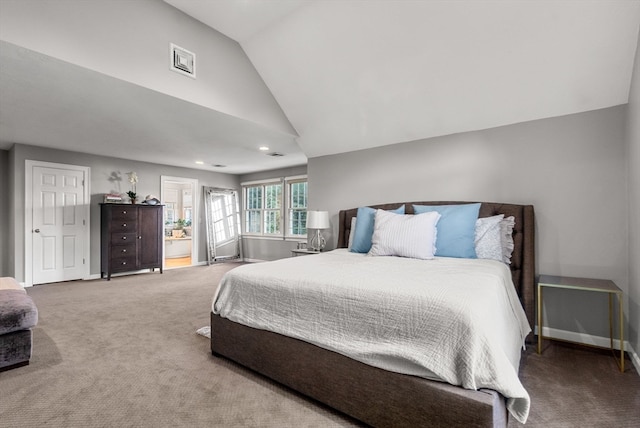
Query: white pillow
[
  {"x": 506, "y": 236},
  {"x": 402, "y": 235},
  {"x": 494, "y": 238},
  {"x": 487, "y": 239},
  {"x": 352, "y": 232}
]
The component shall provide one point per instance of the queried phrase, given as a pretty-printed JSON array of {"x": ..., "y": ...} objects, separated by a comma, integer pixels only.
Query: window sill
[{"x": 277, "y": 238}]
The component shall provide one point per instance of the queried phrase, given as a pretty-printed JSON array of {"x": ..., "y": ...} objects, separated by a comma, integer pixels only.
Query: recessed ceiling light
[
  {"x": 217, "y": 165},
  {"x": 200, "y": 162},
  {"x": 264, "y": 148}
]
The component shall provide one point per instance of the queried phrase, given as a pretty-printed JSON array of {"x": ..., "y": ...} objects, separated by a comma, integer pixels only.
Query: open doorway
[{"x": 180, "y": 200}]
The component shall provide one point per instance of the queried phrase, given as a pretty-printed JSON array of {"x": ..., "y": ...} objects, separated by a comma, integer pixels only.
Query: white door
[{"x": 58, "y": 224}]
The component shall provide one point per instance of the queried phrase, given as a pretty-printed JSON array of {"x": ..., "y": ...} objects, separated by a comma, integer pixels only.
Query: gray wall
[
  {"x": 571, "y": 168},
  {"x": 633, "y": 168},
  {"x": 101, "y": 169},
  {"x": 4, "y": 213},
  {"x": 269, "y": 248}
]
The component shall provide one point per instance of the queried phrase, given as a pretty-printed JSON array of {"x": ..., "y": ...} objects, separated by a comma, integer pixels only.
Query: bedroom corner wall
[
  {"x": 633, "y": 171},
  {"x": 266, "y": 249},
  {"x": 571, "y": 168}
]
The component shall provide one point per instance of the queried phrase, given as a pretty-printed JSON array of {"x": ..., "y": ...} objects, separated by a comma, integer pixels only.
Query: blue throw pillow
[
  {"x": 364, "y": 228},
  {"x": 456, "y": 229}
]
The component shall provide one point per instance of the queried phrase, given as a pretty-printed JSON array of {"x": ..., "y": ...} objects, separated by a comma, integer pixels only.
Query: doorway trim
[
  {"x": 28, "y": 215},
  {"x": 195, "y": 214}
]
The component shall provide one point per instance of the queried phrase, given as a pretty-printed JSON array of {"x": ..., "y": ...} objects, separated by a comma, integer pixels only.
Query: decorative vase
[{"x": 133, "y": 200}]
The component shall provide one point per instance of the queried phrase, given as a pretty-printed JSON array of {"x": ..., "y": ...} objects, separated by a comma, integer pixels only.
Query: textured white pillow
[
  {"x": 506, "y": 236},
  {"x": 401, "y": 235},
  {"x": 488, "y": 240},
  {"x": 494, "y": 238}
]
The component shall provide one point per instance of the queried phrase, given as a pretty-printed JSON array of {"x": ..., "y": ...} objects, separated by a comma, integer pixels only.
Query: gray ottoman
[{"x": 18, "y": 314}]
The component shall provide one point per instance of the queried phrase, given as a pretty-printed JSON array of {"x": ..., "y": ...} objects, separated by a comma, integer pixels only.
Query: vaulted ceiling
[{"x": 352, "y": 74}]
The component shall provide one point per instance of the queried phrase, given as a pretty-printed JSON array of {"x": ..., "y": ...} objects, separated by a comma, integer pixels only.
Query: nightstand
[
  {"x": 303, "y": 252},
  {"x": 584, "y": 284}
]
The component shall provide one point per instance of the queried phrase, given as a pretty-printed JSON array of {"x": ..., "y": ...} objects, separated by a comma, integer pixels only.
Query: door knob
[{"x": 37, "y": 231}]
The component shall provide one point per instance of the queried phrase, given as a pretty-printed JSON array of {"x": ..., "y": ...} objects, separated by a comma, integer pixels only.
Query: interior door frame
[
  {"x": 28, "y": 215},
  {"x": 195, "y": 214}
]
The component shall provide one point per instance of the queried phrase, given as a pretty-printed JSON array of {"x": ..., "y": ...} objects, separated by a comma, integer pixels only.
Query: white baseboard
[
  {"x": 635, "y": 359},
  {"x": 587, "y": 339}
]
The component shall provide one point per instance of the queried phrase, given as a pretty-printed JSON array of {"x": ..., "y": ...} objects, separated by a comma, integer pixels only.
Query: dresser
[{"x": 130, "y": 238}]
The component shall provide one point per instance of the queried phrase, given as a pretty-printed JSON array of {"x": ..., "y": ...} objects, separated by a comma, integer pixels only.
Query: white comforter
[{"x": 457, "y": 320}]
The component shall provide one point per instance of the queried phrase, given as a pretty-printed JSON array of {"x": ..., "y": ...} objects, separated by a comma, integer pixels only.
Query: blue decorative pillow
[
  {"x": 456, "y": 229},
  {"x": 364, "y": 228}
]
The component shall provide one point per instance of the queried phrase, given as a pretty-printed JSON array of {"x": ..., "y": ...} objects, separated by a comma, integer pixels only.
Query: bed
[{"x": 369, "y": 393}]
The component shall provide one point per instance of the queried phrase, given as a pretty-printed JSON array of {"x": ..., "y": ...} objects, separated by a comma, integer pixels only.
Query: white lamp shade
[{"x": 318, "y": 220}]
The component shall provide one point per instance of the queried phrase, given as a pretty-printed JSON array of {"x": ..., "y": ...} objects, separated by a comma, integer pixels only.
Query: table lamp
[{"x": 317, "y": 220}]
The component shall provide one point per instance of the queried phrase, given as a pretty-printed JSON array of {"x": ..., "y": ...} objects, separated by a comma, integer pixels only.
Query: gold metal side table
[{"x": 585, "y": 284}]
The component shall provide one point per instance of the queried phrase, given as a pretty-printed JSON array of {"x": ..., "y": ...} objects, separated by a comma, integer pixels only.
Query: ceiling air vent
[
  {"x": 182, "y": 61},
  {"x": 275, "y": 155}
]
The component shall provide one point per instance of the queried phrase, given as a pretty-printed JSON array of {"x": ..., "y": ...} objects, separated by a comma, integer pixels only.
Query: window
[
  {"x": 297, "y": 208},
  {"x": 272, "y": 208},
  {"x": 276, "y": 208},
  {"x": 253, "y": 209}
]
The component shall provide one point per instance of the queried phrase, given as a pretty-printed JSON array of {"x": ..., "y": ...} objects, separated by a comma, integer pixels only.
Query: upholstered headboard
[{"x": 523, "y": 257}]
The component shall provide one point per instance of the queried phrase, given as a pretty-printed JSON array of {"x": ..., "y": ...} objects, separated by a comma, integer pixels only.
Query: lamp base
[{"x": 317, "y": 241}]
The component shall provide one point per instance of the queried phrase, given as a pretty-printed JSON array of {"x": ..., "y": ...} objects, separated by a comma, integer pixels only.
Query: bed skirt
[{"x": 377, "y": 397}]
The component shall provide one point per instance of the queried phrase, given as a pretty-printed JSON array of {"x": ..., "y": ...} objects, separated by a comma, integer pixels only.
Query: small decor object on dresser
[
  {"x": 133, "y": 179},
  {"x": 132, "y": 196},
  {"x": 151, "y": 200},
  {"x": 113, "y": 198},
  {"x": 131, "y": 238}
]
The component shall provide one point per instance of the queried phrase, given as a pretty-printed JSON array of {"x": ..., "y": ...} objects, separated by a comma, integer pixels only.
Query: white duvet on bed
[{"x": 457, "y": 319}]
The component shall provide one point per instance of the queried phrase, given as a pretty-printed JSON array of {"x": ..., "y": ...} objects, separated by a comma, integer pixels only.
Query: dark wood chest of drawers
[{"x": 130, "y": 238}]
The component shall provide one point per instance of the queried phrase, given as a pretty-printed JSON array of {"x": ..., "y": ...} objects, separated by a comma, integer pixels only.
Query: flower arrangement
[{"x": 133, "y": 179}]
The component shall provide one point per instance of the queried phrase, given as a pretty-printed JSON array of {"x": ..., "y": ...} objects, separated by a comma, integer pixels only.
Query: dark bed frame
[{"x": 378, "y": 397}]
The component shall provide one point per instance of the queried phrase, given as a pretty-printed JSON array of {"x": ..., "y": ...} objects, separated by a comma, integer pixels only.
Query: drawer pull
[
  {"x": 124, "y": 237},
  {"x": 124, "y": 212},
  {"x": 124, "y": 251},
  {"x": 124, "y": 263},
  {"x": 124, "y": 224}
]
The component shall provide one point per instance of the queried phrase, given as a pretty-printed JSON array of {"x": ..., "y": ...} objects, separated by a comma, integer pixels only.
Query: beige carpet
[{"x": 125, "y": 353}]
